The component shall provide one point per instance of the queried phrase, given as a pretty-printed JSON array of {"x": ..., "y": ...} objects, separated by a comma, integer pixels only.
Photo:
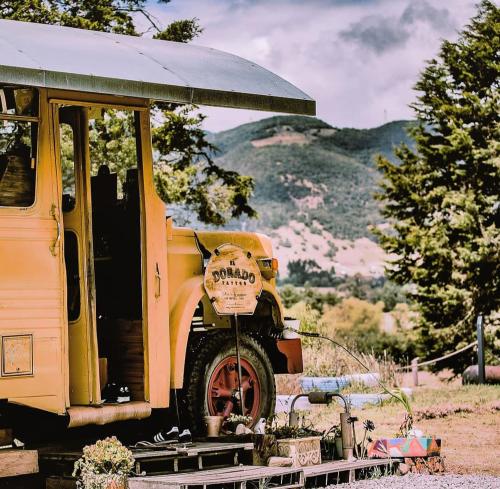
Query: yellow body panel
[{"x": 32, "y": 294}]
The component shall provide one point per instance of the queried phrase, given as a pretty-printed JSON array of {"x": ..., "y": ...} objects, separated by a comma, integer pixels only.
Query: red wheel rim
[{"x": 223, "y": 385}]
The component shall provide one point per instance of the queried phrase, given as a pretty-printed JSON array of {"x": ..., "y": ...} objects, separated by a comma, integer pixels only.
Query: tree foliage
[
  {"x": 443, "y": 199},
  {"x": 185, "y": 172}
]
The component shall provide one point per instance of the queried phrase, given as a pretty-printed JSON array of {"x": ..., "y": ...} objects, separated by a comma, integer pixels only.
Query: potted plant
[
  {"x": 331, "y": 444},
  {"x": 233, "y": 420},
  {"x": 301, "y": 444},
  {"x": 104, "y": 465}
]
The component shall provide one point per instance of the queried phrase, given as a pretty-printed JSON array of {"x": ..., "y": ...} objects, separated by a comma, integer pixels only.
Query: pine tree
[{"x": 443, "y": 197}]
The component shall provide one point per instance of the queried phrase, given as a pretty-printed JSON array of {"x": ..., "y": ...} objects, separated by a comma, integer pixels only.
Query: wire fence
[{"x": 435, "y": 360}]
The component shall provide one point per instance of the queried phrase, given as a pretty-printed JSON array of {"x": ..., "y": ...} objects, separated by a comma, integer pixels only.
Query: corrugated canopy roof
[{"x": 89, "y": 61}]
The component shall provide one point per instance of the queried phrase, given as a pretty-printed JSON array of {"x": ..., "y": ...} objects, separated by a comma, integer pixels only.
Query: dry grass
[{"x": 328, "y": 362}]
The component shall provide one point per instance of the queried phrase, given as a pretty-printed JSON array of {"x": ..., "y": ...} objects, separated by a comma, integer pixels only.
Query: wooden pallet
[
  {"x": 242, "y": 477},
  {"x": 198, "y": 456},
  {"x": 340, "y": 471}
]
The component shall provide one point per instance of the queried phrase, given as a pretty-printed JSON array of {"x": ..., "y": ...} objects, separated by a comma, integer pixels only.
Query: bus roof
[{"x": 97, "y": 62}]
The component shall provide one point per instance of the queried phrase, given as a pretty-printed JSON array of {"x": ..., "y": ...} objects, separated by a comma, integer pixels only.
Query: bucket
[{"x": 214, "y": 425}]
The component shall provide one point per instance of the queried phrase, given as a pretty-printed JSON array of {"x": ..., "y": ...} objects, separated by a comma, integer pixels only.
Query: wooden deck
[
  {"x": 216, "y": 465},
  {"x": 245, "y": 476}
]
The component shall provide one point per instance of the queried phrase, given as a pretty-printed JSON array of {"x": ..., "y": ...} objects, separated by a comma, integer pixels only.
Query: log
[
  {"x": 280, "y": 462},
  {"x": 471, "y": 375},
  {"x": 422, "y": 465}
]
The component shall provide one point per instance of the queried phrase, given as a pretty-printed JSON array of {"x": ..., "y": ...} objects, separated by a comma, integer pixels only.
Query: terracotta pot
[
  {"x": 105, "y": 481},
  {"x": 117, "y": 485},
  {"x": 214, "y": 425}
]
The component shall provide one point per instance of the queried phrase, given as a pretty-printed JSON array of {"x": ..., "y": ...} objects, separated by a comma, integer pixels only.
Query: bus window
[
  {"x": 67, "y": 145},
  {"x": 18, "y": 146},
  {"x": 17, "y": 163}
]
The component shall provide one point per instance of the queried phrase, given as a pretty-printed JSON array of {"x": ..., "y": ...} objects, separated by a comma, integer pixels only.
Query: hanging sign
[{"x": 232, "y": 280}]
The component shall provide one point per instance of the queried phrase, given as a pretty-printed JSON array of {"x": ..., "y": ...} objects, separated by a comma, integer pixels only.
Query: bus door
[{"x": 72, "y": 128}]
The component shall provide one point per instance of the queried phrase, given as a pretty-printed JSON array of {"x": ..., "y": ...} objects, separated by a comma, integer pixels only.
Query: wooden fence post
[{"x": 414, "y": 371}]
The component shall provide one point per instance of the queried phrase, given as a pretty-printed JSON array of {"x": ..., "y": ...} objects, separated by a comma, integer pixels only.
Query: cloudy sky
[{"x": 357, "y": 58}]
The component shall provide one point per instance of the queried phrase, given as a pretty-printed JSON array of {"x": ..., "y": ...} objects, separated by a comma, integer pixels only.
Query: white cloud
[{"x": 359, "y": 58}]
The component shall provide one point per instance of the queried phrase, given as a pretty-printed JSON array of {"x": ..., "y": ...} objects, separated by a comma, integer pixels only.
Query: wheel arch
[{"x": 188, "y": 298}]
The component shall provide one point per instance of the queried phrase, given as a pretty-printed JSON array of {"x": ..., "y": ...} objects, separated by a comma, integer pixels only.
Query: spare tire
[{"x": 211, "y": 380}]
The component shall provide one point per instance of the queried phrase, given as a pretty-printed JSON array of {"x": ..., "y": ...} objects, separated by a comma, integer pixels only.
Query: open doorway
[{"x": 102, "y": 230}]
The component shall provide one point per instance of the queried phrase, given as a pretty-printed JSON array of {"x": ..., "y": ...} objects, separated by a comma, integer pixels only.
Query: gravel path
[{"x": 414, "y": 481}]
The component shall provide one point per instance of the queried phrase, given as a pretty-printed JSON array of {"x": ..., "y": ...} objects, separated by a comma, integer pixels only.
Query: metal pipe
[
  {"x": 345, "y": 427},
  {"x": 346, "y": 433},
  {"x": 293, "y": 418},
  {"x": 238, "y": 363},
  {"x": 314, "y": 398}
]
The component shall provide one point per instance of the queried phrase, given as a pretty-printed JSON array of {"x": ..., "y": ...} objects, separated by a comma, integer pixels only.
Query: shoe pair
[
  {"x": 115, "y": 393},
  {"x": 173, "y": 435}
]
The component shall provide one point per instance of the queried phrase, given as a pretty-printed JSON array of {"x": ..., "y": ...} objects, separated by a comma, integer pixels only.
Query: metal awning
[{"x": 89, "y": 61}]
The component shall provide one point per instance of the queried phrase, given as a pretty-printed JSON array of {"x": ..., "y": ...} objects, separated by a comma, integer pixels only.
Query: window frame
[{"x": 36, "y": 120}]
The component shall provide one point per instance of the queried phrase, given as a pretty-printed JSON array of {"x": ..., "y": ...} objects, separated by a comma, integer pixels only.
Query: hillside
[{"x": 314, "y": 185}]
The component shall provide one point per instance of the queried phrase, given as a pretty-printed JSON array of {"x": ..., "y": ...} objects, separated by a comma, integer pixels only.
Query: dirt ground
[{"x": 466, "y": 418}]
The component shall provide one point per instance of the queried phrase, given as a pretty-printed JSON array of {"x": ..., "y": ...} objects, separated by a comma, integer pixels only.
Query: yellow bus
[{"x": 96, "y": 283}]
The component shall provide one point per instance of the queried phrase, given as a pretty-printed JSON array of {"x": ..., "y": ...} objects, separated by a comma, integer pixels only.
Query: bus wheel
[{"x": 211, "y": 385}]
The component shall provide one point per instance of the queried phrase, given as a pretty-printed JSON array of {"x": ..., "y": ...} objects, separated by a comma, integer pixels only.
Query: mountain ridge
[{"x": 313, "y": 180}]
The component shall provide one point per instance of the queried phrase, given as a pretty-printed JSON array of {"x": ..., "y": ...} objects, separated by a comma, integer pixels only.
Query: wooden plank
[
  {"x": 229, "y": 474},
  {"x": 205, "y": 448},
  {"x": 18, "y": 462},
  {"x": 208, "y": 447},
  {"x": 343, "y": 466}
]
